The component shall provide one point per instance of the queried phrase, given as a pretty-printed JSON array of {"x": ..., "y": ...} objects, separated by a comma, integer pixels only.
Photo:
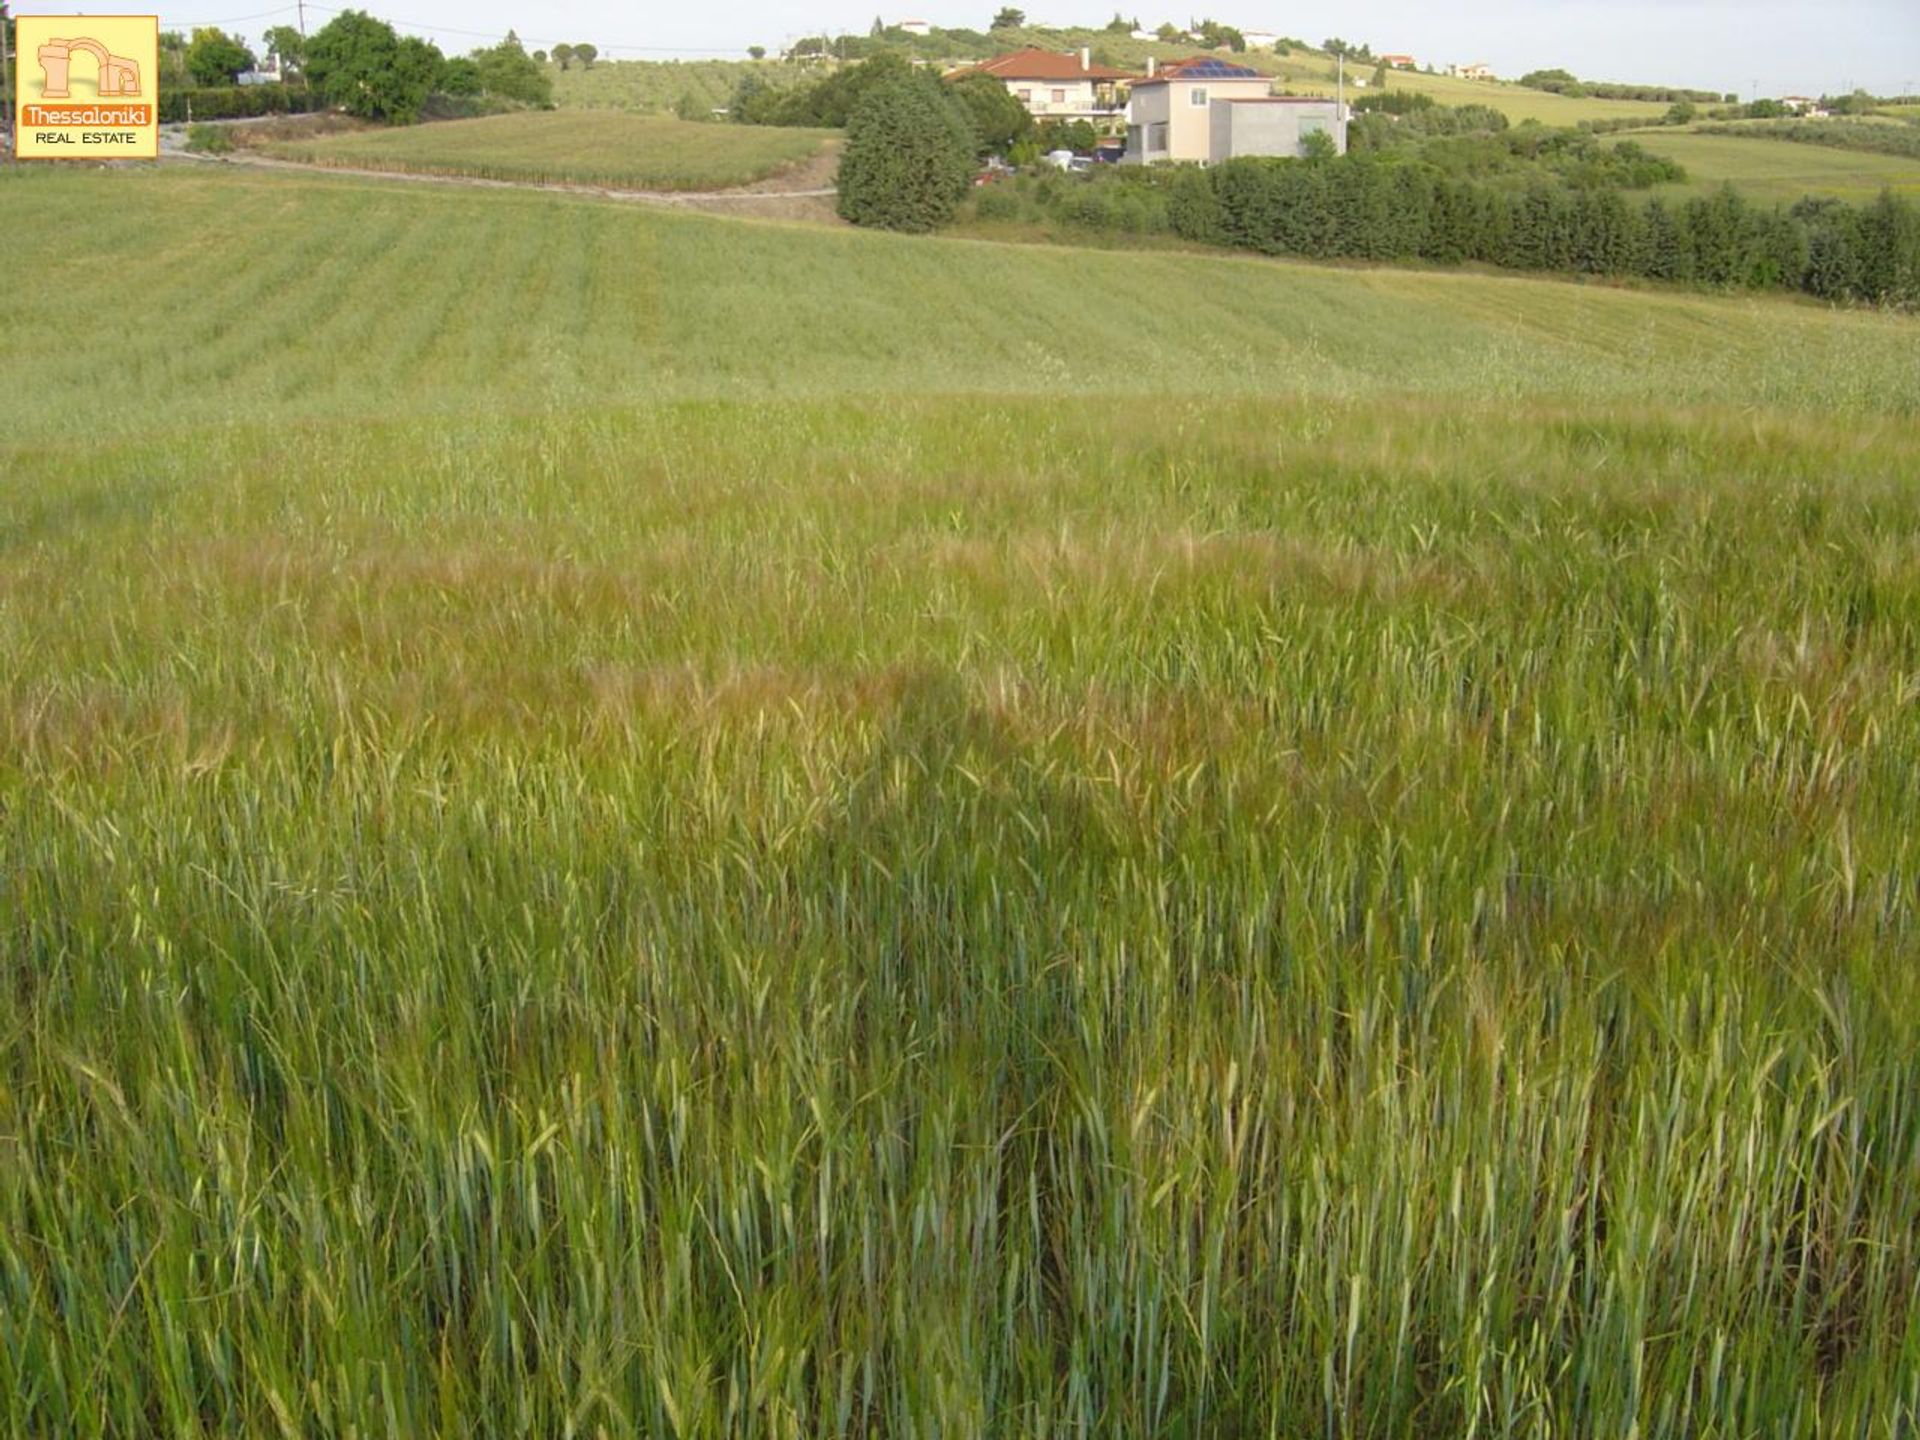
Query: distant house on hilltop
[
  {"x": 1803, "y": 105},
  {"x": 1399, "y": 62},
  {"x": 1261, "y": 39},
  {"x": 1057, "y": 86},
  {"x": 1479, "y": 70},
  {"x": 1207, "y": 111},
  {"x": 915, "y": 27}
]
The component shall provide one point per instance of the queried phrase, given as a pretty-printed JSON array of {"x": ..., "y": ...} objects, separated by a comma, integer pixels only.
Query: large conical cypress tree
[{"x": 909, "y": 157}]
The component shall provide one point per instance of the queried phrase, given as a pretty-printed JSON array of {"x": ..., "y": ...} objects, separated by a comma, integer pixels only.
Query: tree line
[
  {"x": 1365, "y": 208},
  {"x": 1565, "y": 82},
  {"x": 355, "y": 62}
]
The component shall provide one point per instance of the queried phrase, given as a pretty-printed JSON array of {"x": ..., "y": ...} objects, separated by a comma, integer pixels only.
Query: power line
[
  {"x": 540, "y": 40},
  {"x": 167, "y": 24}
]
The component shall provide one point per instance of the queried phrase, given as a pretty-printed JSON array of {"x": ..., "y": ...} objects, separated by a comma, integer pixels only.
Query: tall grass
[
  {"x": 1385, "y": 911},
  {"x": 772, "y": 920}
]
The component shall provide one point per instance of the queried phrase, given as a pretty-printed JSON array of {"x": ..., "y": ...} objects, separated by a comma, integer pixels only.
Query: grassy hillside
[
  {"x": 615, "y": 822},
  {"x": 1315, "y": 75},
  {"x": 623, "y": 151},
  {"x": 560, "y": 300},
  {"x": 1776, "y": 170}
]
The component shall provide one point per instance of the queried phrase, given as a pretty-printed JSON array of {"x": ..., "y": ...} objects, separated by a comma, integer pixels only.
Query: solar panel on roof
[{"x": 1216, "y": 70}]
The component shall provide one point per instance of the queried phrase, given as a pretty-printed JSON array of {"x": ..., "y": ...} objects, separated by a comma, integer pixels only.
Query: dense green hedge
[
  {"x": 1361, "y": 209},
  {"x": 236, "y": 102},
  {"x": 1368, "y": 208}
]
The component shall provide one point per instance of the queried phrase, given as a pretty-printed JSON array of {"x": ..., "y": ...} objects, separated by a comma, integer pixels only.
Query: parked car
[{"x": 1059, "y": 159}]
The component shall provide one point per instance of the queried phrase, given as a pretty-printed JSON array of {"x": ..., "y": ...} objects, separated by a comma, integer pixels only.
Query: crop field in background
[
  {"x": 586, "y": 148},
  {"x": 1776, "y": 170},
  {"x": 660, "y": 828},
  {"x": 1314, "y": 75},
  {"x": 656, "y": 86}
]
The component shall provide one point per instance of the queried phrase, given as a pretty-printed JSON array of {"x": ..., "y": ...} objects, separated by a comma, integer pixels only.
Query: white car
[{"x": 1059, "y": 159}]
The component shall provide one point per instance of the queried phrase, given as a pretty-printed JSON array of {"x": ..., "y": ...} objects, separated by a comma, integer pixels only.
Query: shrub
[
  {"x": 999, "y": 202},
  {"x": 908, "y": 158},
  {"x": 209, "y": 140},
  {"x": 1193, "y": 208}
]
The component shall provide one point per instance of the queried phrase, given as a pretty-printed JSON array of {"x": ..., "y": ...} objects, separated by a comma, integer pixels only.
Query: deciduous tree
[
  {"x": 288, "y": 44},
  {"x": 360, "y": 64},
  {"x": 999, "y": 121},
  {"x": 506, "y": 70},
  {"x": 216, "y": 58}
]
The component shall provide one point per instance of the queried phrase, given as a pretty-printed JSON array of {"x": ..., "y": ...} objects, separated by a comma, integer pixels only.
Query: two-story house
[
  {"x": 1208, "y": 110},
  {"x": 1057, "y": 86}
]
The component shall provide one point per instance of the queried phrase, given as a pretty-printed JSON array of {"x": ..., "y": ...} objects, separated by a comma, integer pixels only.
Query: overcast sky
[{"x": 1780, "y": 46}]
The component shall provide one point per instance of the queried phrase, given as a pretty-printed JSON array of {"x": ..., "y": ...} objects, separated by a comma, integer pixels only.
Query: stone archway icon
[{"x": 119, "y": 76}]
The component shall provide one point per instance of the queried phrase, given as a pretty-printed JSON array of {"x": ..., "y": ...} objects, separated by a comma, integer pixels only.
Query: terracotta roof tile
[{"x": 1044, "y": 65}]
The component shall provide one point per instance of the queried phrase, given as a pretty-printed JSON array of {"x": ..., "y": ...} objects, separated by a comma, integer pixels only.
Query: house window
[
  {"x": 1157, "y": 136},
  {"x": 1059, "y": 97},
  {"x": 1025, "y": 96},
  {"x": 1197, "y": 97}
]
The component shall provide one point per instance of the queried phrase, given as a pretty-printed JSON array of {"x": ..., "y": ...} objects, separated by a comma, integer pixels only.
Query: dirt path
[{"x": 804, "y": 192}]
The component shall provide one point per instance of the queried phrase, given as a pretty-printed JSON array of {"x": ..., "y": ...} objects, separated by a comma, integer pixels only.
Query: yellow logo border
[{"x": 127, "y": 70}]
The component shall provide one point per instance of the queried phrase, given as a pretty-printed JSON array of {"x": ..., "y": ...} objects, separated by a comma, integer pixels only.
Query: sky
[{"x": 1773, "y": 47}]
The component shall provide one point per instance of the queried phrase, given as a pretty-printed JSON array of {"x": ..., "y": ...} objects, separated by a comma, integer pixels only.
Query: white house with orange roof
[{"x": 1059, "y": 86}]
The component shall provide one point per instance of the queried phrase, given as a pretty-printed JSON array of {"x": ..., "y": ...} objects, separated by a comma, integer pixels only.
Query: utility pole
[
  {"x": 6, "y": 84},
  {"x": 303, "y": 19}
]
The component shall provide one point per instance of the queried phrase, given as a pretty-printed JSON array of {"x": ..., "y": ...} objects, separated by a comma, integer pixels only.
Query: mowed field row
[
  {"x": 629, "y": 152},
  {"x": 615, "y": 822},
  {"x": 347, "y": 298}
]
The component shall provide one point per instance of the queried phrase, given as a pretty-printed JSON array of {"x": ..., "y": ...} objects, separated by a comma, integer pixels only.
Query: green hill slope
[
  {"x": 1772, "y": 170},
  {"x": 524, "y": 300}
]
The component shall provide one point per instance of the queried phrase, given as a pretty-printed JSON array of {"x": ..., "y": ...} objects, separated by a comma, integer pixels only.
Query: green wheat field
[
  {"x": 626, "y": 823},
  {"x": 576, "y": 147}
]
